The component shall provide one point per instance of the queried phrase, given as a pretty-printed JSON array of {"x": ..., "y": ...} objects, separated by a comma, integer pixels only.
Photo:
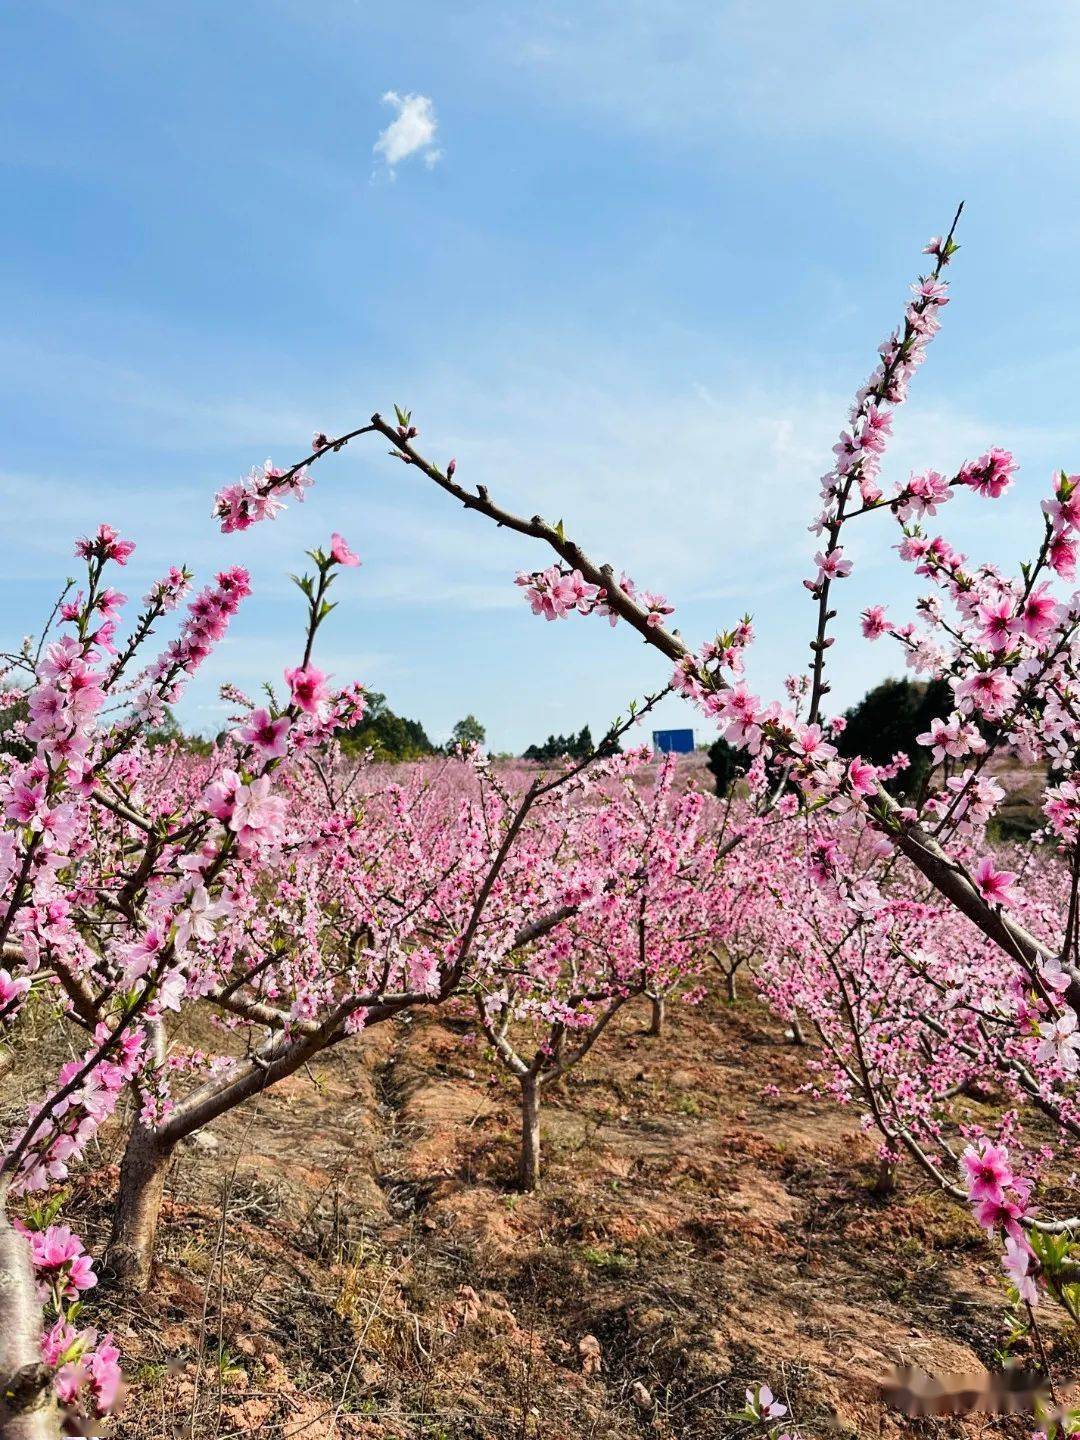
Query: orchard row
[{"x": 301, "y": 899}]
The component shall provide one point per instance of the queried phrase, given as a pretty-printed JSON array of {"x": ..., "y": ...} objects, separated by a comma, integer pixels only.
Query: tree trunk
[
  {"x": 656, "y": 1023},
  {"x": 529, "y": 1165},
  {"x": 884, "y": 1178},
  {"x": 27, "y": 1404},
  {"x": 732, "y": 992},
  {"x": 797, "y": 1036},
  {"x": 130, "y": 1255}
]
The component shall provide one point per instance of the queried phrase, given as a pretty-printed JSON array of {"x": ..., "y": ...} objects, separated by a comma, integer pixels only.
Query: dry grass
[{"x": 351, "y": 1260}]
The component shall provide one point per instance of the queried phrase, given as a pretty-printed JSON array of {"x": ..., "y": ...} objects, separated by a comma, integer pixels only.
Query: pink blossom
[
  {"x": 848, "y": 453},
  {"x": 340, "y": 551},
  {"x": 1017, "y": 1265},
  {"x": 988, "y": 691},
  {"x": 1053, "y": 976},
  {"x": 1059, "y": 1043},
  {"x": 255, "y": 498},
  {"x": 995, "y": 886},
  {"x": 553, "y": 593},
  {"x": 739, "y": 712},
  {"x": 269, "y": 735},
  {"x": 1005, "y": 1214},
  {"x": 990, "y": 475},
  {"x": 764, "y": 1404},
  {"x": 308, "y": 688},
  {"x": 60, "y": 1261},
  {"x": 12, "y": 989},
  {"x": 60, "y": 658},
  {"x": 105, "y": 545},
  {"x": 988, "y": 1171},
  {"x": 25, "y": 804},
  {"x": 57, "y": 1341},
  {"x": 8, "y": 856},
  {"x": 220, "y": 797},
  {"x": 58, "y": 827},
  {"x": 257, "y": 815},
  {"x": 141, "y": 954},
  {"x": 862, "y": 777},
  {"x": 103, "y": 1362},
  {"x": 69, "y": 1381},
  {"x": 169, "y": 590},
  {"x": 832, "y": 566},
  {"x": 876, "y": 428},
  {"x": 1062, "y": 556},
  {"x": 823, "y": 859},
  {"x": 998, "y": 624},
  {"x": 1039, "y": 613},
  {"x": 658, "y": 606},
  {"x": 933, "y": 292},
  {"x": 951, "y": 738},
  {"x": 811, "y": 743},
  {"x": 922, "y": 495},
  {"x": 195, "y": 920},
  {"x": 874, "y": 623}
]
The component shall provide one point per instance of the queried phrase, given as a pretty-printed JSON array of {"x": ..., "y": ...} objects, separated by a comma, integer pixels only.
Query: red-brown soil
[{"x": 348, "y": 1257}]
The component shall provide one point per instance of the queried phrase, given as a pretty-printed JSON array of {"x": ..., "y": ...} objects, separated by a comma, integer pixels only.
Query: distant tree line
[
  {"x": 387, "y": 735},
  {"x": 571, "y": 747},
  {"x": 381, "y": 730}
]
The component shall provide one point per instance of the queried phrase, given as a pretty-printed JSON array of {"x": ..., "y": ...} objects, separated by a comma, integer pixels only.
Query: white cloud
[{"x": 412, "y": 132}]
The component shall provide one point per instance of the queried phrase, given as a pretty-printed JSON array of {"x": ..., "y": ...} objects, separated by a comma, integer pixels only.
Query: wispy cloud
[
  {"x": 413, "y": 131},
  {"x": 695, "y": 71}
]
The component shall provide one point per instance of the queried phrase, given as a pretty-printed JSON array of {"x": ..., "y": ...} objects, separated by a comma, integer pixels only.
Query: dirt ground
[{"x": 348, "y": 1257}]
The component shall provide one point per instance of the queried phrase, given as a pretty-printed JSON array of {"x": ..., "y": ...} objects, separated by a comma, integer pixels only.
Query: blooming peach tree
[
  {"x": 296, "y": 898},
  {"x": 109, "y": 898},
  {"x": 640, "y": 863}
]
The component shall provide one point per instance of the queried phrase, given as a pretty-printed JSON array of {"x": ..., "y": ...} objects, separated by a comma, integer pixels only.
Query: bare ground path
[{"x": 348, "y": 1258}]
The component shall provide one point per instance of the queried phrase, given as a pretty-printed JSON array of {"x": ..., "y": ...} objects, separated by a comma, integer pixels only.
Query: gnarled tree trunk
[
  {"x": 529, "y": 1163},
  {"x": 656, "y": 1022},
  {"x": 884, "y": 1178},
  {"x": 27, "y": 1404},
  {"x": 130, "y": 1255}
]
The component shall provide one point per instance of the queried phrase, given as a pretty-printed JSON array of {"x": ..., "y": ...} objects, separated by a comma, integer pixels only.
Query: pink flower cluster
[
  {"x": 559, "y": 591},
  {"x": 1000, "y": 1201},
  {"x": 554, "y": 593},
  {"x": 990, "y": 475},
  {"x": 104, "y": 546},
  {"x": 205, "y": 624},
  {"x": 87, "y": 1368},
  {"x": 255, "y": 497},
  {"x": 61, "y": 1264}
]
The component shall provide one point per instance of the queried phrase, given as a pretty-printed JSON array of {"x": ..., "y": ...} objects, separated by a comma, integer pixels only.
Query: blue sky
[{"x": 631, "y": 281}]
